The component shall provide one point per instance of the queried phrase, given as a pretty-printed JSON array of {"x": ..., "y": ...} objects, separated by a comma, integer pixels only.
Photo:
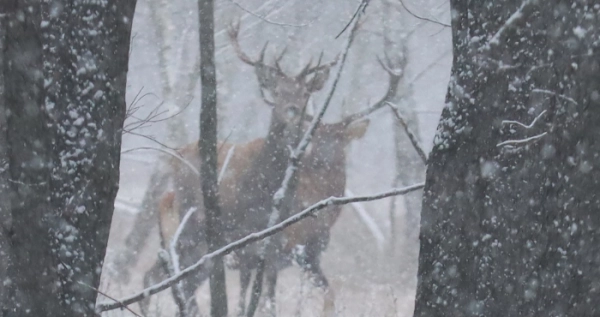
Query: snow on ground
[{"x": 367, "y": 281}]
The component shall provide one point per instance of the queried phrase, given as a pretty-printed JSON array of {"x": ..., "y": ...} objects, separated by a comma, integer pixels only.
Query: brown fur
[
  {"x": 322, "y": 174},
  {"x": 256, "y": 168},
  {"x": 168, "y": 217}
]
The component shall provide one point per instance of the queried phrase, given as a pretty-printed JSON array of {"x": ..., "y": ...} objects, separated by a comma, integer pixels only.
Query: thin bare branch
[
  {"x": 175, "y": 239},
  {"x": 148, "y": 137},
  {"x": 109, "y": 297},
  {"x": 521, "y": 141},
  {"x": 548, "y": 92},
  {"x": 446, "y": 25},
  {"x": 171, "y": 153},
  {"x": 178, "y": 295},
  {"x": 413, "y": 139},
  {"x": 529, "y": 126},
  {"x": 265, "y": 19},
  {"x": 226, "y": 163},
  {"x": 361, "y": 7},
  {"x": 518, "y": 15},
  {"x": 308, "y": 212}
]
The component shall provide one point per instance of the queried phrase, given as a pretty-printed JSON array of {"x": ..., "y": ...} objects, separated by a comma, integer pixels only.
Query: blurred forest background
[{"x": 371, "y": 261}]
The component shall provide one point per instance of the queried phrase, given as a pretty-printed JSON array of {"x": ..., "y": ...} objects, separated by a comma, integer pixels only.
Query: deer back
[{"x": 322, "y": 175}]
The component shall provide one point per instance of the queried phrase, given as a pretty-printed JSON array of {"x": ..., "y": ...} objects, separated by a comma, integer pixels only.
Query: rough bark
[
  {"x": 5, "y": 216},
  {"x": 513, "y": 231},
  {"x": 65, "y": 69},
  {"x": 208, "y": 155}
]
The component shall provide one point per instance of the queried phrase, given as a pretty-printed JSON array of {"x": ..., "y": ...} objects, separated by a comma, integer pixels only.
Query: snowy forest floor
[{"x": 367, "y": 281}]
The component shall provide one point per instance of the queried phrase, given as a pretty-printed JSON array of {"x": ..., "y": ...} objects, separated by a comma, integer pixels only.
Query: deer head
[
  {"x": 330, "y": 140},
  {"x": 288, "y": 95}
]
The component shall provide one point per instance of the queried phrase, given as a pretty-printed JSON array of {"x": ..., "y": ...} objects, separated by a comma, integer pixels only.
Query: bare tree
[
  {"x": 63, "y": 98},
  {"x": 510, "y": 211},
  {"x": 208, "y": 154},
  {"x": 409, "y": 166},
  {"x": 177, "y": 90},
  {"x": 4, "y": 183}
]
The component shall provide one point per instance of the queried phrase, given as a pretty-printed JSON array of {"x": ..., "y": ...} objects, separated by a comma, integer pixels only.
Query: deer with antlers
[
  {"x": 322, "y": 174},
  {"x": 254, "y": 187}
]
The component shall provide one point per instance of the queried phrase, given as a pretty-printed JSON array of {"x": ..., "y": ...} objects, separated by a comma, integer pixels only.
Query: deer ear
[
  {"x": 357, "y": 130},
  {"x": 317, "y": 82}
]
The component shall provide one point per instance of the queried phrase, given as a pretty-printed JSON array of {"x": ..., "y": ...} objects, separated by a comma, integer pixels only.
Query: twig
[
  {"x": 511, "y": 142},
  {"x": 529, "y": 126},
  {"x": 446, "y": 25},
  {"x": 177, "y": 291},
  {"x": 265, "y": 18},
  {"x": 151, "y": 138},
  {"x": 516, "y": 16},
  {"x": 109, "y": 297},
  {"x": 175, "y": 239},
  {"x": 171, "y": 153},
  {"x": 226, "y": 163},
  {"x": 411, "y": 135},
  {"x": 362, "y": 6},
  {"x": 171, "y": 262},
  {"x": 548, "y": 92},
  {"x": 430, "y": 66},
  {"x": 257, "y": 236}
]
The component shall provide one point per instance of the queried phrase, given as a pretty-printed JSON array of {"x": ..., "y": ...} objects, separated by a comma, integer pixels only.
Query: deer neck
[
  {"x": 259, "y": 183},
  {"x": 273, "y": 160}
]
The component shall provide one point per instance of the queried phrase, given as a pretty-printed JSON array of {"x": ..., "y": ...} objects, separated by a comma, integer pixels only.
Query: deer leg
[
  {"x": 310, "y": 262},
  {"x": 271, "y": 279},
  {"x": 151, "y": 277},
  {"x": 189, "y": 287},
  {"x": 189, "y": 254},
  {"x": 245, "y": 276}
]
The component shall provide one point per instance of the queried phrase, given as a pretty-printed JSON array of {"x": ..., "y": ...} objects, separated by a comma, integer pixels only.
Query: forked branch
[{"x": 411, "y": 135}]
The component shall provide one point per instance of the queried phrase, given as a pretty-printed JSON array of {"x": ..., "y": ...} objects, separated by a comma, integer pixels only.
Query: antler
[
  {"x": 307, "y": 70},
  {"x": 395, "y": 73},
  {"x": 233, "y": 32},
  {"x": 279, "y": 58}
]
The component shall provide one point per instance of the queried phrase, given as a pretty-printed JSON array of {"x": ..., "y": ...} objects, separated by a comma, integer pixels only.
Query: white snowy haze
[{"x": 371, "y": 276}]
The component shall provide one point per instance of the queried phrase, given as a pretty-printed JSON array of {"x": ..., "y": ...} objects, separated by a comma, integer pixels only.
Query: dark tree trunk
[
  {"x": 513, "y": 231},
  {"x": 5, "y": 217},
  {"x": 64, "y": 65},
  {"x": 208, "y": 155}
]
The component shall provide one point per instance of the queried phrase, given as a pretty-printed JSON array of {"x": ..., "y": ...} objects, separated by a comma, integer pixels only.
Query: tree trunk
[
  {"x": 208, "y": 154},
  {"x": 5, "y": 216},
  {"x": 410, "y": 168},
  {"x": 511, "y": 229},
  {"x": 65, "y": 70}
]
